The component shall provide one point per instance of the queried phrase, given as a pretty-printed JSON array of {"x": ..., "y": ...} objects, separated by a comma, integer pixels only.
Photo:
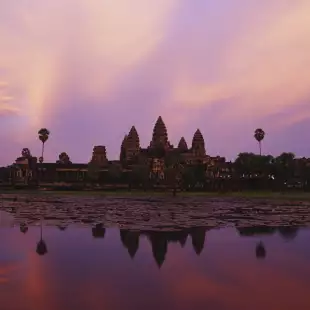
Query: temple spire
[
  {"x": 198, "y": 144},
  {"x": 160, "y": 135},
  {"x": 182, "y": 145},
  {"x": 131, "y": 144}
]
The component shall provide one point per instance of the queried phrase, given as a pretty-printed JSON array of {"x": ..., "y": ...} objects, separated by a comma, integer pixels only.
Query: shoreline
[
  {"x": 290, "y": 195},
  {"x": 156, "y": 212}
]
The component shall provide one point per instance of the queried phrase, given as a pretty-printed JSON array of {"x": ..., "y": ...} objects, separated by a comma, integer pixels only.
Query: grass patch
[{"x": 136, "y": 193}]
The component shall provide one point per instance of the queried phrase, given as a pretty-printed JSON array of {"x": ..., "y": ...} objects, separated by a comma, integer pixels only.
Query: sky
[{"x": 89, "y": 70}]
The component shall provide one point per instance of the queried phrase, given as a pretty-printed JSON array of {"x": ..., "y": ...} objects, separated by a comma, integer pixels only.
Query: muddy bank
[{"x": 154, "y": 213}]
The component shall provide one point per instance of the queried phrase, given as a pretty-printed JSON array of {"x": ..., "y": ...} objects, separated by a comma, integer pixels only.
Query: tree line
[{"x": 248, "y": 172}]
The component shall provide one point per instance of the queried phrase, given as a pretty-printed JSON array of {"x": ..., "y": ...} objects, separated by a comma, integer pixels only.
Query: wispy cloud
[{"x": 47, "y": 46}]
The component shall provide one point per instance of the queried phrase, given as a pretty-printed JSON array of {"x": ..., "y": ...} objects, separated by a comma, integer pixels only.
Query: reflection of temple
[
  {"x": 198, "y": 238},
  {"x": 98, "y": 231},
  {"x": 130, "y": 240},
  {"x": 160, "y": 240},
  {"x": 159, "y": 247}
]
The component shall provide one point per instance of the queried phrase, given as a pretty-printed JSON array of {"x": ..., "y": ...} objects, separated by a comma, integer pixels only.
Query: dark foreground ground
[{"x": 157, "y": 212}]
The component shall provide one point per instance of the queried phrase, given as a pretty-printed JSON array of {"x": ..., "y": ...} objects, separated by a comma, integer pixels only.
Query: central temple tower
[{"x": 160, "y": 135}]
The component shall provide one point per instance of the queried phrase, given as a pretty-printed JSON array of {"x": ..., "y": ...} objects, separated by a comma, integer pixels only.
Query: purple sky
[{"x": 89, "y": 70}]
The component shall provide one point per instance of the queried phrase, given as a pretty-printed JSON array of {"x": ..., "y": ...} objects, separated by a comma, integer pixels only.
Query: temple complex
[
  {"x": 131, "y": 149},
  {"x": 160, "y": 136},
  {"x": 159, "y": 154}
]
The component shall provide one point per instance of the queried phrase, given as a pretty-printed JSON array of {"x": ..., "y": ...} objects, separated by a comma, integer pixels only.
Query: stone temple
[
  {"x": 157, "y": 155},
  {"x": 160, "y": 147}
]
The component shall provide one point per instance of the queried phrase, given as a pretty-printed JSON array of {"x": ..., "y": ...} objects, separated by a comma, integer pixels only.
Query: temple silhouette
[
  {"x": 159, "y": 241},
  {"x": 162, "y": 165},
  {"x": 132, "y": 158}
]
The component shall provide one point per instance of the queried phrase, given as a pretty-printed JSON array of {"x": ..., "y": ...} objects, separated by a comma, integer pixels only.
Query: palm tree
[
  {"x": 64, "y": 159},
  {"x": 43, "y": 136},
  {"x": 26, "y": 153},
  {"x": 259, "y": 135}
]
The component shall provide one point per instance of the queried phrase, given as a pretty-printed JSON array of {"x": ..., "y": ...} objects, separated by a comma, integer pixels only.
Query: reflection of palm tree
[
  {"x": 23, "y": 228},
  {"x": 41, "y": 245},
  {"x": 98, "y": 231},
  {"x": 260, "y": 251}
]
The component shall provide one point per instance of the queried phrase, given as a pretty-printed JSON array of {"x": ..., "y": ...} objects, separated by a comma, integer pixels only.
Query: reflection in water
[
  {"x": 98, "y": 231},
  {"x": 288, "y": 232},
  {"x": 41, "y": 245},
  {"x": 159, "y": 241},
  {"x": 198, "y": 238},
  {"x": 81, "y": 273},
  {"x": 62, "y": 227},
  {"x": 260, "y": 251},
  {"x": 130, "y": 240},
  {"x": 256, "y": 230},
  {"x": 23, "y": 228}
]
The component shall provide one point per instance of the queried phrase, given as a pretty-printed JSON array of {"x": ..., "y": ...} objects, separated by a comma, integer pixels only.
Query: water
[{"x": 87, "y": 268}]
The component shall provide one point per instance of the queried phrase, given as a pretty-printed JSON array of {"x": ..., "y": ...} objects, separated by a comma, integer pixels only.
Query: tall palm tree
[
  {"x": 43, "y": 136},
  {"x": 259, "y": 135}
]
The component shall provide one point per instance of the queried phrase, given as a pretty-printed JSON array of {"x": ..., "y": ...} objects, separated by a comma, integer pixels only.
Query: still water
[{"x": 201, "y": 268}]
